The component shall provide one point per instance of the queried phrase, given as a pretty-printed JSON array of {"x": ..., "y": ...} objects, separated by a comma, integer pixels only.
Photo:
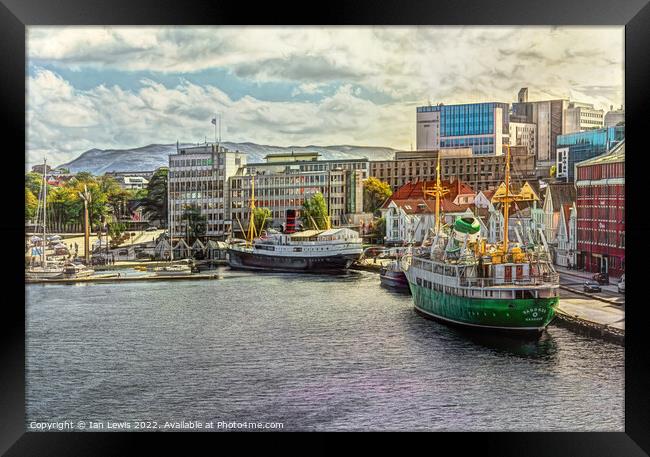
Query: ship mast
[
  {"x": 251, "y": 223},
  {"x": 437, "y": 191},
  {"x": 506, "y": 201}
]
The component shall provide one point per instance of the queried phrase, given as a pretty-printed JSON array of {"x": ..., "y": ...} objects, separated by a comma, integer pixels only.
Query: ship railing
[{"x": 550, "y": 278}]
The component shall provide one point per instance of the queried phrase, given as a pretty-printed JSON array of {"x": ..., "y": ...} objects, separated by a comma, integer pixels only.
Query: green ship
[{"x": 460, "y": 279}]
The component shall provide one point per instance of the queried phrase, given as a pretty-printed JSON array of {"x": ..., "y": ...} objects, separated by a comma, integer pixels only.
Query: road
[{"x": 604, "y": 308}]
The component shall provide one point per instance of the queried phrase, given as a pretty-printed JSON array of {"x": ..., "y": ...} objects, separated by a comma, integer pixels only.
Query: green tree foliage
[
  {"x": 261, "y": 218},
  {"x": 195, "y": 222},
  {"x": 33, "y": 182},
  {"x": 375, "y": 193},
  {"x": 115, "y": 231},
  {"x": 65, "y": 206},
  {"x": 155, "y": 203},
  {"x": 314, "y": 210},
  {"x": 31, "y": 205}
]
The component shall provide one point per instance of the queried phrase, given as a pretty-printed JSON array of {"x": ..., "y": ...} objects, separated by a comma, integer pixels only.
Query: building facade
[
  {"x": 576, "y": 147},
  {"x": 524, "y": 134},
  {"x": 199, "y": 175},
  {"x": 288, "y": 190},
  {"x": 483, "y": 127},
  {"x": 614, "y": 117},
  {"x": 480, "y": 172},
  {"x": 600, "y": 185},
  {"x": 549, "y": 118},
  {"x": 583, "y": 116}
]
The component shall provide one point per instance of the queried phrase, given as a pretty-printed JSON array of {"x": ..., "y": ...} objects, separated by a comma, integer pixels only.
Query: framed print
[{"x": 402, "y": 218}]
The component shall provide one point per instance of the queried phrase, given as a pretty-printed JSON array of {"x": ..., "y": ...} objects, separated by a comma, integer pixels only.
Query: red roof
[{"x": 414, "y": 190}]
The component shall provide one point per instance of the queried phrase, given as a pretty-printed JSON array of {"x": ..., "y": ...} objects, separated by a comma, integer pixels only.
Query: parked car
[
  {"x": 151, "y": 229},
  {"x": 621, "y": 284},
  {"x": 601, "y": 278},
  {"x": 592, "y": 287}
]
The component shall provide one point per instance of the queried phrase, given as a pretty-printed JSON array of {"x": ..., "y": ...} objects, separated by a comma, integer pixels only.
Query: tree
[
  {"x": 115, "y": 231},
  {"x": 194, "y": 222},
  {"x": 31, "y": 205},
  {"x": 375, "y": 193},
  {"x": 261, "y": 218},
  {"x": 155, "y": 204},
  {"x": 379, "y": 226},
  {"x": 314, "y": 210},
  {"x": 33, "y": 182}
]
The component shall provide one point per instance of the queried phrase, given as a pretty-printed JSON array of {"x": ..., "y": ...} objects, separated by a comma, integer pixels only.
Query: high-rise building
[
  {"x": 600, "y": 202},
  {"x": 483, "y": 127},
  {"x": 198, "y": 176},
  {"x": 549, "y": 118},
  {"x": 576, "y": 147},
  {"x": 583, "y": 116}
]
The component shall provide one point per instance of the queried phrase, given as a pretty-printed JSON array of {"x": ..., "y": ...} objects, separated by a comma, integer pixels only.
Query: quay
[
  {"x": 599, "y": 315},
  {"x": 116, "y": 277}
]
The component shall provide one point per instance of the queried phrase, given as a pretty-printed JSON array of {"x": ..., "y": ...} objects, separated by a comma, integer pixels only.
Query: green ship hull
[{"x": 525, "y": 314}]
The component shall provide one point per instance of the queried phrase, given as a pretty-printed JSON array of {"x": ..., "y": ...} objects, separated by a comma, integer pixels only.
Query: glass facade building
[
  {"x": 576, "y": 147},
  {"x": 472, "y": 125}
]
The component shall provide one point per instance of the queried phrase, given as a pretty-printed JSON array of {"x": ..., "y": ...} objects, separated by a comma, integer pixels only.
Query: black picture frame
[{"x": 15, "y": 15}]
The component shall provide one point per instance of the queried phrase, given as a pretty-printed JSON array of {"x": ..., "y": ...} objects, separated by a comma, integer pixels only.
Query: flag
[{"x": 214, "y": 120}]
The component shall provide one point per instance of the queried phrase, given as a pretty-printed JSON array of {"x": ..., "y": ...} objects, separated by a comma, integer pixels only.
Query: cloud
[
  {"x": 356, "y": 84},
  {"x": 158, "y": 114}
]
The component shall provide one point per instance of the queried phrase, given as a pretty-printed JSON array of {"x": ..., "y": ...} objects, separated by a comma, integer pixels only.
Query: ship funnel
[{"x": 291, "y": 221}]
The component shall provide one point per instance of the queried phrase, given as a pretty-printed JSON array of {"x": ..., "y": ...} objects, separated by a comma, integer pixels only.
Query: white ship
[{"x": 307, "y": 251}]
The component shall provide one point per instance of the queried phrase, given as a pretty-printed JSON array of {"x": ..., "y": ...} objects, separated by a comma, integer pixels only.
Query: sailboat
[
  {"x": 461, "y": 280},
  {"x": 46, "y": 269}
]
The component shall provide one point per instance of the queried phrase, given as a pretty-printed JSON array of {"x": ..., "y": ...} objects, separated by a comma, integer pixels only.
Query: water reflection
[{"x": 535, "y": 346}]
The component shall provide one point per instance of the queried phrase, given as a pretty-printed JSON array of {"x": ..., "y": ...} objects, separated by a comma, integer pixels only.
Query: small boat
[
  {"x": 177, "y": 269},
  {"x": 76, "y": 270},
  {"x": 393, "y": 276}
]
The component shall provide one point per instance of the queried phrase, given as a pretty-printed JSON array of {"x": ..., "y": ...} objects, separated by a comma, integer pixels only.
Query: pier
[{"x": 116, "y": 277}]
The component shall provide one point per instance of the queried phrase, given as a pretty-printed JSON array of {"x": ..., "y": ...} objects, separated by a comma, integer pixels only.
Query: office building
[
  {"x": 280, "y": 191},
  {"x": 576, "y": 147},
  {"x": 483, "y": 127},
  {"x": 198, "y": 175},
  {"x": 583, "y": 116},
  {"x": 480, "y": 172},
  {"x": 523, "y": 134}
]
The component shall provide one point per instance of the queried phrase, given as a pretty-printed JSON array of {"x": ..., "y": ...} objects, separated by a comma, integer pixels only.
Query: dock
[{"x": 116, "y": 277}]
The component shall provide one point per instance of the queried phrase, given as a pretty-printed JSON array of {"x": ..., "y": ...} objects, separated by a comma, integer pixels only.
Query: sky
[{"x": 126, "y": 87}]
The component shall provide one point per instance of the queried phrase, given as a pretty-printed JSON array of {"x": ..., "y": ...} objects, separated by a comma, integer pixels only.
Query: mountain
[{"x": 147, "y": 158}]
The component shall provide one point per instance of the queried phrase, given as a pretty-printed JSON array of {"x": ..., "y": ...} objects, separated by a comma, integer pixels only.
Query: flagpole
[{"x": 215, "y": 128}]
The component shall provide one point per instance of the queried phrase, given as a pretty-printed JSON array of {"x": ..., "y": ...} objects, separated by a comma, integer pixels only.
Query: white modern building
[
  {"x": 199, "y": 175},
  {"x": 480, "y": 126},
  {"x": 582, "y": 116}
]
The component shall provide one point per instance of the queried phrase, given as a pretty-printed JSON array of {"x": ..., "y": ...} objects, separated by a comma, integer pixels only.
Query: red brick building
[{"x": 600, "y": 185}]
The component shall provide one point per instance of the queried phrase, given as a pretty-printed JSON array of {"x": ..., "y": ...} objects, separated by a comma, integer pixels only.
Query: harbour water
[{"x": 312, "y": 352}]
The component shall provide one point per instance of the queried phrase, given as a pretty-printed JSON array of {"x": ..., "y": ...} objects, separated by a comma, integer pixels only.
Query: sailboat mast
[
  {"x": 44, "y": 212},
  {"x": 506, "y": 201},
  {"x": 438, "y": 187}
]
